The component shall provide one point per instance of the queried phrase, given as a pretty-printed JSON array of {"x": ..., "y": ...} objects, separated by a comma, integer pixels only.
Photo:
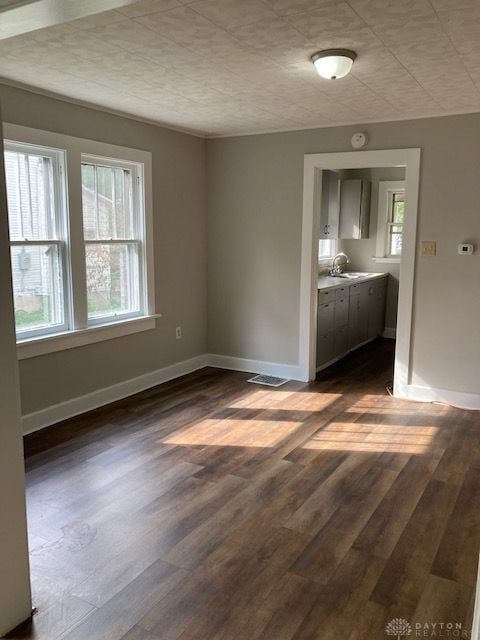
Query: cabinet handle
[{"x": 325, "y": 230}]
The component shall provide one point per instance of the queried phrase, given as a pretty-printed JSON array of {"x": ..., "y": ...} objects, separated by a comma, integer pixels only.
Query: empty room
[{"x": 239, "y": 319}]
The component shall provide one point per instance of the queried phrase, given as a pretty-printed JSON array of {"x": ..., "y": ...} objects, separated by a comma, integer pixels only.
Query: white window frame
[
  {"x": 138, "y": 204},
  {"x": 386, "y": 189},
  {"x": 57, "y": 157},
  {"x": 80, "y": 331}
]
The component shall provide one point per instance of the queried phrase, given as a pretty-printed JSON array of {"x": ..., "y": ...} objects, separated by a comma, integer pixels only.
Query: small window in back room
[
  {"x": 390, "y": 220},
  {"x": 326, "y": 250},
  {"x": 395, "y": 224}
]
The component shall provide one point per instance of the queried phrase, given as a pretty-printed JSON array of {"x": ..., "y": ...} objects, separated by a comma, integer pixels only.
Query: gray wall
[
  {"x": 179, "y": 202},
  {"x": 15, "y": 600},
  {"x": 255, "y": 212},
  {"x": 254, "y": 186},
  {"x": 360, "y": 252}
]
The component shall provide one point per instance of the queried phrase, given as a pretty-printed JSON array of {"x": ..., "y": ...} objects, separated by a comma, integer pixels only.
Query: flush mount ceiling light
[{"x": 333, "y": 63}]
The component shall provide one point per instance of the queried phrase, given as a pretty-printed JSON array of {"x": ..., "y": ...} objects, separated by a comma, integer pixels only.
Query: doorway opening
[{"x": 383, "y": 184}]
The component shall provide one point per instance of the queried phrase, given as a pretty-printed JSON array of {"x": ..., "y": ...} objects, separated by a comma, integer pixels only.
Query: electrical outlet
[
  {"x": 178, "y": 333},
  {"x": 429, "y": 248}
]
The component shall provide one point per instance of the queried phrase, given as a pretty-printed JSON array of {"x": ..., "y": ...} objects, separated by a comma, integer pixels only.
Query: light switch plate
[{"x": 429, "y": 248}]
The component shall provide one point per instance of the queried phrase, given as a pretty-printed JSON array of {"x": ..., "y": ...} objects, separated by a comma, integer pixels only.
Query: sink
[{"x": 351, "y": 275}]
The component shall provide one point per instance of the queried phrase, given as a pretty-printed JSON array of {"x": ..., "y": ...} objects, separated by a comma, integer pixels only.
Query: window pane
[
  {"x": 398, "y": 207},
  {"x": 395, "y": 248},
  {"x": 37, "y": 287},
  {"x": 325, "y": 249},
  {"x": 30, "y": 194},
  {"x": 107, "y": 202},
  {"x": 112, "y": 279}
]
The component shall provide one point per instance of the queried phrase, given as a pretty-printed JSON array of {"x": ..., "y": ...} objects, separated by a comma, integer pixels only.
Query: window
[
  {"x": 37, "y": 222},
  {"x": 113, "y": 239},
  {"x": 390, "y": 220},
  {"x": 326, "y": 250},
  {"x": 396, "y": 210},
  {"x": 81, "y": 239}
]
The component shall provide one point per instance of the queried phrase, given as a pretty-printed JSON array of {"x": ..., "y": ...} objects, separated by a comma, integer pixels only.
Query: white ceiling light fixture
[{"x": 333, "y": 63}]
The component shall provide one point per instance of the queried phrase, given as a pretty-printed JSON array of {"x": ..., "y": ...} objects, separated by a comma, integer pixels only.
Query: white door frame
[{"x": 314, "y": 164}]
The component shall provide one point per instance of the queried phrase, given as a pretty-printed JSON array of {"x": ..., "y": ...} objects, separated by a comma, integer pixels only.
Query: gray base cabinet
[
  {"x": 325, "y": 348},
  {"x": 349, "y": 315},
  {"x": 377, "y": 293}
]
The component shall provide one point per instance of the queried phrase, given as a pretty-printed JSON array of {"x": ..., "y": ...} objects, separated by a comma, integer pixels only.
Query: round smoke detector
[{"x": 359, "y": 140}]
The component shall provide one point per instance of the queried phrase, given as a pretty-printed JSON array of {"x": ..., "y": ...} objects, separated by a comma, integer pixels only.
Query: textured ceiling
[
  {"x": 9, "y": 4},
  {"x": 221, "y": 67}
]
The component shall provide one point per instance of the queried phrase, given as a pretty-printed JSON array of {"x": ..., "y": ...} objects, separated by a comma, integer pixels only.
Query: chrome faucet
[{"x": 336, "y": 269}]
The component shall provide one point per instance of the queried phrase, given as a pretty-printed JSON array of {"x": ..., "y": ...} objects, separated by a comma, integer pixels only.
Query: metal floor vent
[{"x": 269, "y": 381}]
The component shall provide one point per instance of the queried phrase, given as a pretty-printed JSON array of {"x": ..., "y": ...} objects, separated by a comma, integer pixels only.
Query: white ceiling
[
  {"x": 9, "y": 4},
  {"x": 221, "y": 67}
]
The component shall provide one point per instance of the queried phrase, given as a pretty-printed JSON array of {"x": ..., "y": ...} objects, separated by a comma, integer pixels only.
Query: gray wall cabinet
[
  {"x": 354, "y": 209},
  {"x": 330, "y": 203},
  {"x": 348, "y": 316}
]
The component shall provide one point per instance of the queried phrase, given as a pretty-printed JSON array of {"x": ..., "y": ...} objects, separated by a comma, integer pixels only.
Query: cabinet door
[
  {"x": 341, "y": 312},
  {"x": 364, "y": 288},
  {"x": 358, "y": 314},
  {"x": 365, "y": 209},
  {"x": 325, "y": 348},
  {"x": 350, "y": 199},
  {"x": 354, "y": 320},
  {"x": 329, "y": 209},
  {"x": 341, "y": 341},
  {"x": 354, "y": 209},
  {"x": 376, "y": 310},
  {"x": 326, "y": 317}
]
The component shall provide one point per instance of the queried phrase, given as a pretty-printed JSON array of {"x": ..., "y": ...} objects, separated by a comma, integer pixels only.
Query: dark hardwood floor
[{"x": 212, "y": 509}]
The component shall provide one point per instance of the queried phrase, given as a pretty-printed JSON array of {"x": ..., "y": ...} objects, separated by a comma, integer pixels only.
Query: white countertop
[{"x": 331, "y": 282}]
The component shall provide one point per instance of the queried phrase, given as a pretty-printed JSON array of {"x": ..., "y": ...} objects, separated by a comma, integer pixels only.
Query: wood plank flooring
[{"x": 212, "y": 509}]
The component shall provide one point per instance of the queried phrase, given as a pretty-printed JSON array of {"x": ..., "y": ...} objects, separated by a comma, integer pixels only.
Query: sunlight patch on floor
[
  {"x": 234, "y": 433},
  {"x": 369, "y": 401},
  {"x": 349, "y": 436},
  {"x": 359, "y": 408},
  {"x": 286, "y": 400}
]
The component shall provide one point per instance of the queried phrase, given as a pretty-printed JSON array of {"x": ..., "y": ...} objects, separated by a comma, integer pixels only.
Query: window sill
[
  {"x": 386, "y": 260},
  {"x": 77, "y": 338}
]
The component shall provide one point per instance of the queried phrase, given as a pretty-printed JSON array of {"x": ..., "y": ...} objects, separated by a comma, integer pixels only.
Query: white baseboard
[
  {"x": 390, "y": 332},
  {"x": 456, "y": 398},
  {"x": 325, "y": 365},
  {"x": 76, "y": 406},
  {"x": 290, "y": 371}
]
